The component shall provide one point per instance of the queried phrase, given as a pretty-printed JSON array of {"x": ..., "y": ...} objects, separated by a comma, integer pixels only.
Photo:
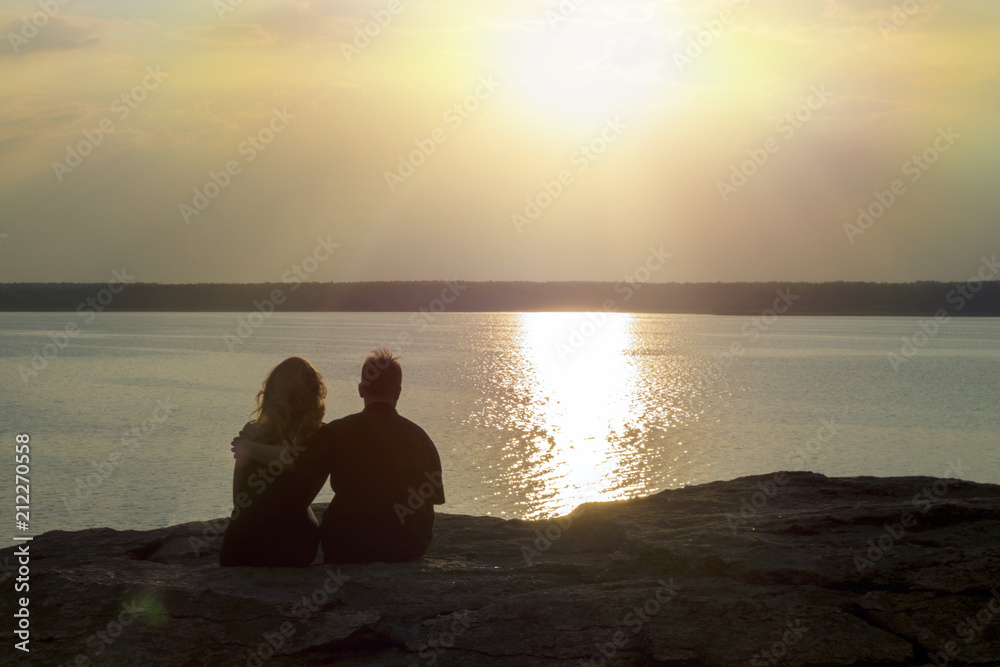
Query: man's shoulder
[
  {"x": 360, "y": 420},
  {"x": 347, "y": 421},
  {"x": 413, "y": 426}
]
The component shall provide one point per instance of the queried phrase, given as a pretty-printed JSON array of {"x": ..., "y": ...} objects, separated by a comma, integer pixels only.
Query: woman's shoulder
[{"x": 252, "y": 427}]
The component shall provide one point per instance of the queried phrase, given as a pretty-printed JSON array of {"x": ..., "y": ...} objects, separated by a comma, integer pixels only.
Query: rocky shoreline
[{"x": 785, "y": 569}]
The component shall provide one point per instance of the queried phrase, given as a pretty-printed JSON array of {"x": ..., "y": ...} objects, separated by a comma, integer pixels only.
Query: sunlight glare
[
  {"x": 586, "y": 393},
  {"x": 598, "y": 60}
]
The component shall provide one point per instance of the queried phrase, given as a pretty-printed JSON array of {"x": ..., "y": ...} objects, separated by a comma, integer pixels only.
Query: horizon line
[{"x": 522, "y": 282}]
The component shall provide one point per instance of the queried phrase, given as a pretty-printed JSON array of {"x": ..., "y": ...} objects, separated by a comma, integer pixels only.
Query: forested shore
[{"x": 973, "y": 298}]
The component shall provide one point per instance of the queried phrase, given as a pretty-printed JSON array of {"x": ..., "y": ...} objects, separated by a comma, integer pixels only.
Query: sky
[{"x": 231, "y": 140}]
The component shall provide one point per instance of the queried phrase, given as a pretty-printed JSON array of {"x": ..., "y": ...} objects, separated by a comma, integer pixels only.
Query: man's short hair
[{"x": 381, "y": 374}]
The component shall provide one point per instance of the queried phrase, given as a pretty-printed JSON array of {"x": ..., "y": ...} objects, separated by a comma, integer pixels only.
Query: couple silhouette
[{"x": 384, "y": 471}]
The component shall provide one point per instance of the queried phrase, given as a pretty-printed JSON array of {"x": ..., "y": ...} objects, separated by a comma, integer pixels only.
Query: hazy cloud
[
  {"x": 60, "y": 33},
  {"x": 226, "y": 34}
]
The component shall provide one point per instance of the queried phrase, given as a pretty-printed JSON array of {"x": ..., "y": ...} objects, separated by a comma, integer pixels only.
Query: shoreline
[{"x": 978, "y": 296}]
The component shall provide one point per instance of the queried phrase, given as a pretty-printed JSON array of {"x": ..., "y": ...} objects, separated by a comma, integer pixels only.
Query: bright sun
[{"x": 583, "y": 66}]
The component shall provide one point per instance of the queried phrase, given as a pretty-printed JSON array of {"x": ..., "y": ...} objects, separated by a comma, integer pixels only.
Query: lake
[{"x": 131, "y": 416}]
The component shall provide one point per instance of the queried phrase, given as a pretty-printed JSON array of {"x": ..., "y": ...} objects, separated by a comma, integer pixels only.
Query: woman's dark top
[{"x": 272, "y": 524}]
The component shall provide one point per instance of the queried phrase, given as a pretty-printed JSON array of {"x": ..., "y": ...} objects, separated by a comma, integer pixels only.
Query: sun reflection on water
[
  {"x": 569, "y": 408},
  {"x": 582, "y": 424}
]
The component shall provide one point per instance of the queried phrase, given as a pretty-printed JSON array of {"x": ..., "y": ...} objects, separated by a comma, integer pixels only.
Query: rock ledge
[{"x": 791, "y": 569}]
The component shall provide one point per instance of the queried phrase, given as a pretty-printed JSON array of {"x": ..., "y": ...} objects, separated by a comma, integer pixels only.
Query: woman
[{"x": 272, "y": 524}]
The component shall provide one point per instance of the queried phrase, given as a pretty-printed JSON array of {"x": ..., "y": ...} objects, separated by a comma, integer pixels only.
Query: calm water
[{"x": 533, "y": 414}]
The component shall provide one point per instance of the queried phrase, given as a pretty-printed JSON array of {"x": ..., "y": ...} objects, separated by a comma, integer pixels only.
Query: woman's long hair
[{"x": 291, "y": 402}]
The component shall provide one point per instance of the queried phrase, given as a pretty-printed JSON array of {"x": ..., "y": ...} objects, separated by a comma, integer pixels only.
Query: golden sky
[{"x": 217, "y": 141}]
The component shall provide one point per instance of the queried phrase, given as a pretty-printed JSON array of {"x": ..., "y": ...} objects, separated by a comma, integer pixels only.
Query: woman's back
[{"x": 272, "y": 523}]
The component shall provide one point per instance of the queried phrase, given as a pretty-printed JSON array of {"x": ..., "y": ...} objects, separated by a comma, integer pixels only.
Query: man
[{"x": 384, "y": 471}]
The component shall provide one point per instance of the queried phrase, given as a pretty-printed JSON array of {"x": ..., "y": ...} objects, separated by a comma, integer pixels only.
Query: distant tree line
[{"x": 832, "y": 298}]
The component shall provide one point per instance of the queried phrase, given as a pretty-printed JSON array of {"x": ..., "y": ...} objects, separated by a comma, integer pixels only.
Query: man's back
[{"x": 386, "y": 476}]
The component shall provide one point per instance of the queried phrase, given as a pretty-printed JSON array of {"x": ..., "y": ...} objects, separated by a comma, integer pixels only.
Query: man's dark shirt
[{"x": 386, "y": 476}]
